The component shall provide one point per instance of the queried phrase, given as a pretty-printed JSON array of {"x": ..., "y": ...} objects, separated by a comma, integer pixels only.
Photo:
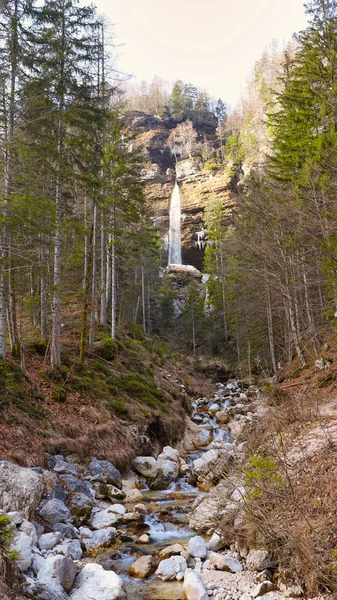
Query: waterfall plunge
[{"x": 174, "y": 232}]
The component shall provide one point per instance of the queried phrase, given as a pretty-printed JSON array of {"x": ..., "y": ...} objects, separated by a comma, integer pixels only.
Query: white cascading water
[{"x": 174, "y": 232}]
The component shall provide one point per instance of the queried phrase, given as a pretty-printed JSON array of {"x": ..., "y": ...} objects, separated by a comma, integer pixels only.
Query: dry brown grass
[{"x": 295, "y": 515}]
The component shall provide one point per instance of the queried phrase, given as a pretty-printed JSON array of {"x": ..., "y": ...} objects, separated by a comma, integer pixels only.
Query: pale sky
[{"x": 212, "y": 44}]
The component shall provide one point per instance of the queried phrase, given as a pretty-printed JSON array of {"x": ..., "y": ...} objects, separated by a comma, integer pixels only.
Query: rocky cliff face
[{"x": 197, "y": 183}]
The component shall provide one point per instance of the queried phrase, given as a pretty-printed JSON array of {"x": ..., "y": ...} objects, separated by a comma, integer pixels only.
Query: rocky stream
[{"x": 87, "y": 533}]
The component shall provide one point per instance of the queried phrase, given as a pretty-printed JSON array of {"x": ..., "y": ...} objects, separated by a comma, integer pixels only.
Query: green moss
[
  {"x": 18, "y": 391},
  {"x": 107, "y": 349}
]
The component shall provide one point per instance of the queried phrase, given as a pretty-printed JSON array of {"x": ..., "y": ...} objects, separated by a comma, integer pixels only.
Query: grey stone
[
  {"x": 68, "y": 531},
  {"x": 71, "y": 548},
  {"x": 80, "y": 506},
  {"x": 47, "y": 541},
  {"x": 107, "y": 517},
  {"x": 55, "y": 511},
  {"x": 223, "y": 562},
  {"x": 22, "y": 543},
  {"x": 258, "y": 560},
  {"x": 60, "y": 568},
  {"x": 108, "y": 470},
  {"x": 73, "y": 484},
  {"x": 20, "y": 489},
  {"x": 94, "y": 583},
  {"x": 169, "y": 568},
  {"x": 197, "y": 547},
  {"x": 64, "y": 468},
  {"x": 99, "y": 538},
  {"x": 193, "y": 587}
]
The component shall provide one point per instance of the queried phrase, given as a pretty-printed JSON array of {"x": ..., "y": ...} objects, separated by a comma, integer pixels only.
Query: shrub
[
  {"x": 59, "y": 394},
  {"x": 119, "y": 408},
  {"x": 107, "y": 349}
]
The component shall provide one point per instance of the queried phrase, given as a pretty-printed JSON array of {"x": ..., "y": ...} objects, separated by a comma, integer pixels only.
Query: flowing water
[
  {"x": 175, "y": 229},
  {"x": 166, "y": 523}
]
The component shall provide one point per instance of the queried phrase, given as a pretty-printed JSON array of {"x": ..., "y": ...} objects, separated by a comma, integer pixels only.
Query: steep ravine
[{"x": 87, "y": 533}]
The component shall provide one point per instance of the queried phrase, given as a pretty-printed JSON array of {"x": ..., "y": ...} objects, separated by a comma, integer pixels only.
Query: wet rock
[
  {"x": 142, "y": 567},
  {"x": 197, "y": 547},
  {"x": 146, "y": 466},
  {"x": 94, "y": 583},
  {"x": 223, "y": 417},
  {"x": 20, "y": 489},
  {"x": 107, "y": 470},
  {"x": 193, "y": 587},
  {"x": 169, "y": 568},
  {"x": 144, "y": 539},
  {"x": 170, "y": 551},
  {"x": 55, "y": 511},
  {"x": 213, "y": 409},
  {"x": 133, "y": 495},
  {"x": 59, "y": 568},
  {"x": 262, "y": 588},
  {"x": 75, "y": 485},
  {"x": 141, "y": 508},
  {"x": 223, "y": 562},
  {"x": 49, "y": 540},
  {"x": 22, "y": 544},
  {"x": 196, "y": 436},
  {"x": 167, "y": 471},
  {"x": 258, "y": 560}
]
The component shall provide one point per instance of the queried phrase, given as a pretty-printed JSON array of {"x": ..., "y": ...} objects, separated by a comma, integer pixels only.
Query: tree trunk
[
  {"x": 93, "y": 276},
  {"x": 270, "y": 329},
  {"x": 113, "y": 280},
  {"x": 143, "y": 300}
]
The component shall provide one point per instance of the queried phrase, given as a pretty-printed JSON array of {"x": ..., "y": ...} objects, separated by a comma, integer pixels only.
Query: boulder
[
  {"x": 55, "y": 511},
  {"x": 64, "y": 468},
  {"x": 262, "y": 588},
  {"x": 47, "y": 541},
  {"x": 22, "y": 544},
  {"x": 215, "y": 543},
  {"x": 29, "y": 529},
  {"x": 223, "y": 562},
  {"x": 133, "y": 495},
  {"x": 167, "y": 471},
  {"x": 75, "y": 485},
  {"x": 210, "y": 509},
  {"x": 98, "y": 539},
  {"x": 214, "y": 464},
  {"x": 68, "y": 531},
  {"x": 20, "y": 489},
  {"x": 258, "y": 560},
  {"x": 197, "y": 547},
  {"x": 106, "y": 471},
  {"x": 193, "y": 587},
  {"x": 108, "y": 492},
  {"x": 142, "y": 567},
  {"x": 169, "y": 568},
  {"x": 144, "y": 539},
  {"x": 71, "y": 548},
  {"x": 169, "y": 453},
  {"x": 81, "y": 507},
  {"x": 214, "y": 408},
  {"x": 94, "y": 583},
  {"x": 107, "y": 517},
  {"x": 170, "y": 551},
  {"x": 196, "y": 436},
  {"x": 48, "y": 589},
  {"x": 223, "y": 417},
  {"x": 59, "y": 568},
  {"x": 145, "y": 466}
]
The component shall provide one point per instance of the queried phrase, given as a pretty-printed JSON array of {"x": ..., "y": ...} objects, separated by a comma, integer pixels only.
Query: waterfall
[{"x": 174, "y": 232}]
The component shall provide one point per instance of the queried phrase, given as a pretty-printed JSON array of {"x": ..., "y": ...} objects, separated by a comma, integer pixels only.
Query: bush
[
  {"x": 59, "y": 394},
  {"x": 119, "y": 408},
  {"x": 107, "y": 349}
]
